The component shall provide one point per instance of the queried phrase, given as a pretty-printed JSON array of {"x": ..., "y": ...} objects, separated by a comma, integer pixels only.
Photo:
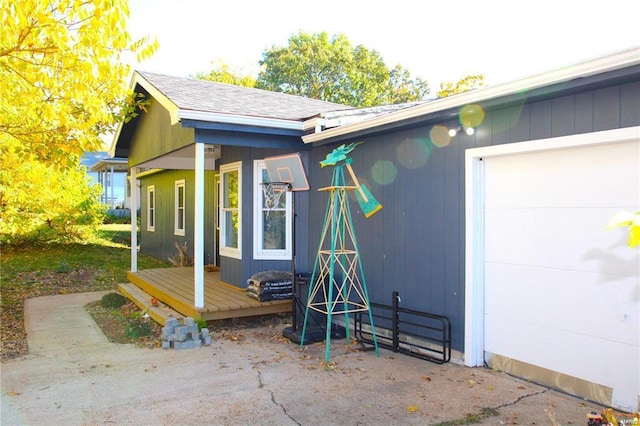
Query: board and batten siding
[
  {"x": 155, "y": 135},
  {"x": 415, "y": 244},
  {"x": 238, "y": 271},
  {"x": 160, "y": 242}
]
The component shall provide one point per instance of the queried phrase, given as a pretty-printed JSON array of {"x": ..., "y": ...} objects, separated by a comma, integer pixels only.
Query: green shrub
[
  {"x": 202, "y": 323},
  {"x": 113, "y": 301},
  {"x": 137, "y": 328}
]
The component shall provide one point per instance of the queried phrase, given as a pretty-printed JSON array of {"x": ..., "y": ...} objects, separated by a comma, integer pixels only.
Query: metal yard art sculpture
[{"x": 338, "y": 282}]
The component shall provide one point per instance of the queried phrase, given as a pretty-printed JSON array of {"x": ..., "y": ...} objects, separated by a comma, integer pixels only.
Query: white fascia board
[
  {"x": 244, "y": 120},
  {"x": 312, "y": 123},
  {"x": 108, "y": 162},
  {"x": 155, "y": 94},
  {"x": 609, "y": 63}
]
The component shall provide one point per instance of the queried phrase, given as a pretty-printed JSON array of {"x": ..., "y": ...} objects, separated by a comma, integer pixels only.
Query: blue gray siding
[
  {"x": 415, "y": 244},
  {"x": 235, "y": 271}
]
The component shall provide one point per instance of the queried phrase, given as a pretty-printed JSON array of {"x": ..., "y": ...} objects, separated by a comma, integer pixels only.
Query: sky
[{"x": 436, "y": 40}]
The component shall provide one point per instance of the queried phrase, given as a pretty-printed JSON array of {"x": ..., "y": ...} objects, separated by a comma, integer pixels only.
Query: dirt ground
[{"x": 250, "y": 375}]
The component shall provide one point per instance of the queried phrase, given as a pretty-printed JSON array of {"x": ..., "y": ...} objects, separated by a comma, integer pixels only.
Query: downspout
[{"x": 198, "y": 231}]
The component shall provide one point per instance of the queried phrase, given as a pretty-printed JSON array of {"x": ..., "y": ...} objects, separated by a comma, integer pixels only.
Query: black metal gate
[{"x": 407, "y": 331}]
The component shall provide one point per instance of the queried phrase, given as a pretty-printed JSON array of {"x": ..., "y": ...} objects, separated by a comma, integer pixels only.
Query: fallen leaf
[
  {"x": 412, "y": 409},
  {"x": 13, "y": 393},
  {"x": 490, "y": 388},
  {"x": 470, "y": 383},
  {"x": 426, "y": 378}
]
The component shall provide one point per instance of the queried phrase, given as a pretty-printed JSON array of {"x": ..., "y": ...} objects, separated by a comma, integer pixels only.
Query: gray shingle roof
[{"x": 207, "y": 96}]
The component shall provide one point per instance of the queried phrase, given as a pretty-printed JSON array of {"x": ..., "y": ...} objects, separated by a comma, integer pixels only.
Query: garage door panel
[
  {"x": 560, "y": 238},
  {"x": 549, "y": 238},
  {"x": 564, "y": 352},
  {"x": 598, "y": 176},
  {"x": 560, "y": 291},
  {"x": 552, "y": 300}
]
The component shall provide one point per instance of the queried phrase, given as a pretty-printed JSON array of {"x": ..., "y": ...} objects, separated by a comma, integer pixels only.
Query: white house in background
[{"x": 112, "y": 175}]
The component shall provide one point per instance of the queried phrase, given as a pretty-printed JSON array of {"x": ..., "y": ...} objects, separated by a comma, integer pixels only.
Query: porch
[{"x": 175, "y": 288}]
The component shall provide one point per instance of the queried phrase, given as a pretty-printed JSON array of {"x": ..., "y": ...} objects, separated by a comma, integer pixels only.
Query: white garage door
[{"x": 562, "y": 293}]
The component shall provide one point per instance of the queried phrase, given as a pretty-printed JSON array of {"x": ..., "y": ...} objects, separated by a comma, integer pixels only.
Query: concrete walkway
[{"x": 74, "y": 375}]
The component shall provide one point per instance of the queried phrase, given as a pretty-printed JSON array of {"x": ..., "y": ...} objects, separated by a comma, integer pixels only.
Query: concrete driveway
[{"x": 74, "y": 375}]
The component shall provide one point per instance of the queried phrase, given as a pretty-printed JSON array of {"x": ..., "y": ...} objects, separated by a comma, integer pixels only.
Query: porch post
[
  {"x": 198, "y": 231},
  {"x": 134, "y": 221},
  {"x": 112, "y": 189},
  {"x": 103, "y": 185}
]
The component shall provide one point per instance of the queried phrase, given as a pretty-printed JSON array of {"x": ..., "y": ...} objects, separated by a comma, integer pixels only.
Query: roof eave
[
  {"x": 136, "y": 80},
  {"x": 601, "y": 65},
  {"x": 212, "y": 117}
]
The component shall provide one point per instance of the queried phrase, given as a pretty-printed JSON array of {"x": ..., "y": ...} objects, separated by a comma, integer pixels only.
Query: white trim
[
  {"x": 151, "y": 189},
  {"x": 198, "y": 227},
  {"x": 172, "y": 108},
  {"x": 260, "y": 253},
  {"x": 212, "y": 117},
  {"x": 134, "y": 221},
  {"x": 177, "y": 215},
  {"x": 233, "y": 252},
  {"x": 149, "y": 172},
  {"x": 616, "y": 61},
  {"x": 474, "y": 221}
]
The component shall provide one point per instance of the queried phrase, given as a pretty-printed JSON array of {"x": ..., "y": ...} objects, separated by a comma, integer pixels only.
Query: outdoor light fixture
[{"x": 468, "y": 130}]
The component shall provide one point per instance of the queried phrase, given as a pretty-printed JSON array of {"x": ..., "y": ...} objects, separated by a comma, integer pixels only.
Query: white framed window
[
  {"x": 231, "y": 210},
  {"x": 151, "y": 208},
  {"x": 272, "y": 227},
  {"x": 179, "y": 210}
]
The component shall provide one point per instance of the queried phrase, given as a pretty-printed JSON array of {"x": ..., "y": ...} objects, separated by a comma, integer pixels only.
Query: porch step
[{"x": 158, "y": 313}]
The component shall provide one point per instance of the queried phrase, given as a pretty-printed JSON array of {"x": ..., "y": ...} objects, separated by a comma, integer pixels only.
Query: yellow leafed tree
[{"x": 63, "y": 76}]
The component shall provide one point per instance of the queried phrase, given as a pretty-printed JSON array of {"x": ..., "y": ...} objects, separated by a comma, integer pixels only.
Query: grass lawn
[{"x": 100, "y": 264}]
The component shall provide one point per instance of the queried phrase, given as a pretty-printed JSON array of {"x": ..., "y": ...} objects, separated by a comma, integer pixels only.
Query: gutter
[
  {"x": 212, "y": 117},
  {"x": 609, "y": 63}
]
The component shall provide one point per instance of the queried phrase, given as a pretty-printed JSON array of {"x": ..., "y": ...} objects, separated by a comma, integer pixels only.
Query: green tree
[
  {"x": 465, "y": 84},
  {"x": 223, "y": 73},
  {"x": 331, "y": 69},
  {"x": 62, "y": 75}
]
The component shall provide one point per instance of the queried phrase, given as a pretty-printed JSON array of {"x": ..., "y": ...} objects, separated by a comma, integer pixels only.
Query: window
[
  {"x": 151, "y": 208},
  {"x": 231, "y": 210},
  {"x": 179, "y": 208},
  {"x": 272, "y": 227}
]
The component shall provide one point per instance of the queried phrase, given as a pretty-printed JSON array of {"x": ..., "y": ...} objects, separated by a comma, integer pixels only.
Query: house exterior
[
  {"x": 500, "y": 228},
  {"x": 111, "y": 175}
]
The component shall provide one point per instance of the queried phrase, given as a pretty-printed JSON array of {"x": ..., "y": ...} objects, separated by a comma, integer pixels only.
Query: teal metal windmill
[{"x": 338, "y": 281}]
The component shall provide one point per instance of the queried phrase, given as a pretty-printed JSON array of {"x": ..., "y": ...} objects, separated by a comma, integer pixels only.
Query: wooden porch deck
[{"x": 174, "y": 287}]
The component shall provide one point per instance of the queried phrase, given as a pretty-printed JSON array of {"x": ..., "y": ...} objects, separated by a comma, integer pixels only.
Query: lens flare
[
  {"x": 471, "y": 115},
  {"x": 384, "y": 172},
  {"x": 440, "y": 136},
  {"x": 413, "y": 153}
]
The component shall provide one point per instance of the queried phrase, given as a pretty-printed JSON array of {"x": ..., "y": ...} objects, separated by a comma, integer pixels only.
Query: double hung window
[{"x": 272, "y": 224}]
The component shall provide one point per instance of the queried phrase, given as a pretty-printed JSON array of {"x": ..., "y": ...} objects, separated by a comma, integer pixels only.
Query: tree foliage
[
  {"x": 465, "y": 84},
  {"x": 62, "y": 75},
  {"x": 223, "y": 73},
  {"x": 627, "y": 219},
  {"x": 331, "y": 69},
  {"x": 39, "y": 203}
]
